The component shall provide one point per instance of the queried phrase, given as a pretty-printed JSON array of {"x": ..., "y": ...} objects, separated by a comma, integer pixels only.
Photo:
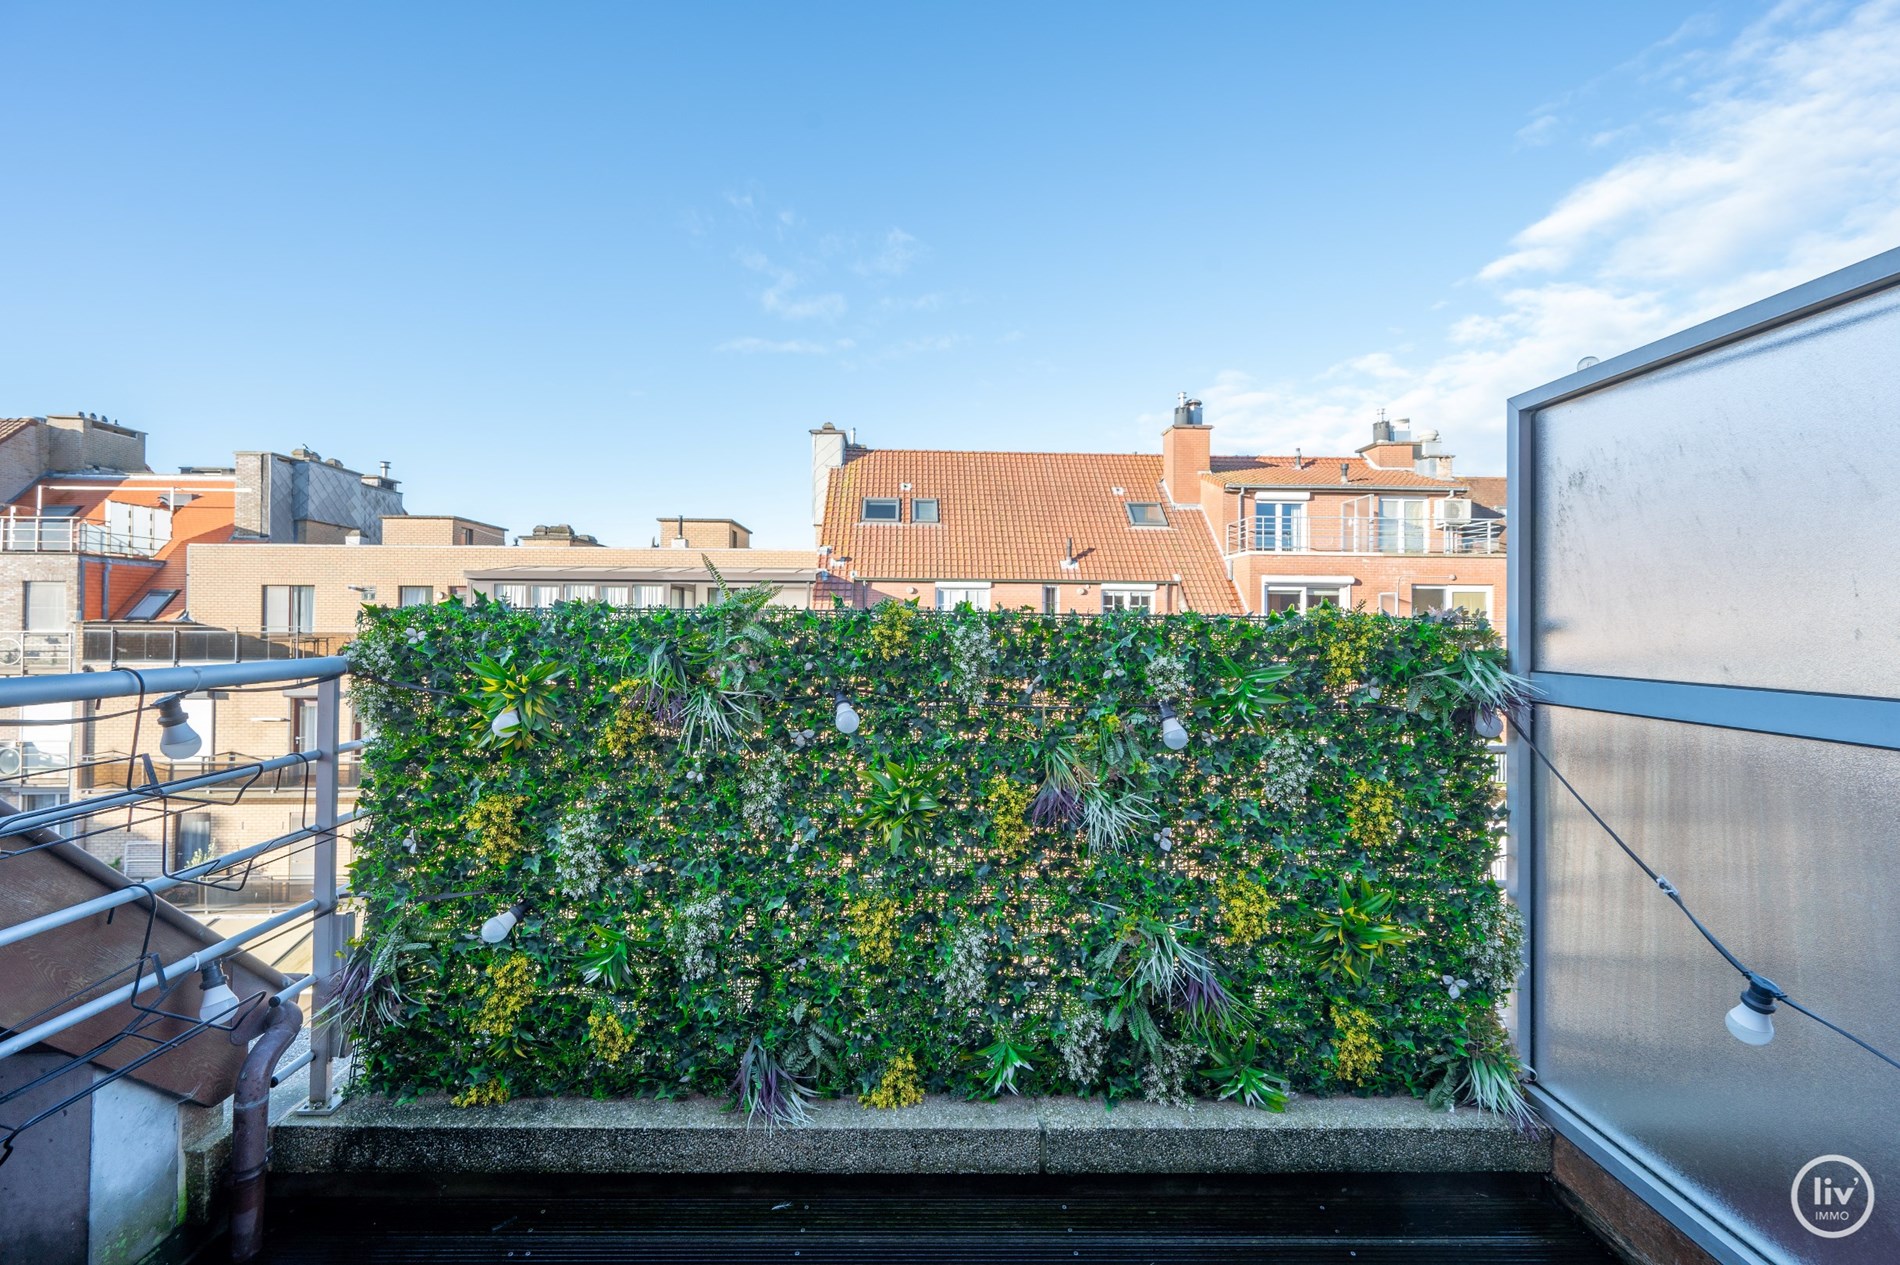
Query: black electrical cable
[{"x": 1669, "y": 890}]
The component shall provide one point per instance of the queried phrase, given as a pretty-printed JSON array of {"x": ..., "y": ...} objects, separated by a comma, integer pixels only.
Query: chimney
[
  {"x": 1185, "y": 449},
  {"x": 1391, "y": 447},
  {"x": 827, "y": 454}
]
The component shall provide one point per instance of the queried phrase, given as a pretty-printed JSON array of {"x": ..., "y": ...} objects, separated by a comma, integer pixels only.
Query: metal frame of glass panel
[{"x": 1835, "y": 718}]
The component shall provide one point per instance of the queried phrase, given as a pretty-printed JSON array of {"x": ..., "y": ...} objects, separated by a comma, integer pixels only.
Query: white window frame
[
  {"x": 975, "y": 592},
  {"x": 1123, "y": 593},
  {"x": 511, "y": 595},
  {"x": 1307, "y": 585},
  {"x": 1488, "y": 591}
]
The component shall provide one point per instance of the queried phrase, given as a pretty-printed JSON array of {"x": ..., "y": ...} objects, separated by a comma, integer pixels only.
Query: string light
[
  {"x": 506, "y": 723},
  {"x": 178, "y": 740},
  {"x": 1749, "y": 1022},
  {"x": 496, "y": 929},
  {"x": 1174, "y": 734},
  {"x": 218, "y": 1000}
]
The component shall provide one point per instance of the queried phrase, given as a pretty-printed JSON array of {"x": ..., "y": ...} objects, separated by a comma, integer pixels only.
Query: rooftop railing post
[{"x": 326, "y": 939}]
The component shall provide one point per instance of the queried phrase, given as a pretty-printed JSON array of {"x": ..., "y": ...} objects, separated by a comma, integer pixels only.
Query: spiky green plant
[
  {"x": 1237, "y": 1074},
  {"x": 901, "y": 800},
  {"x": 1243, "y": 697},
  {"x": 1355, "y": 933},
  {"x": 502, "y": 685},
  {"x": 1480, "y": 1068},
  {"x": 606, "y": 959},
  {"x": 1006, "y": 1058}
]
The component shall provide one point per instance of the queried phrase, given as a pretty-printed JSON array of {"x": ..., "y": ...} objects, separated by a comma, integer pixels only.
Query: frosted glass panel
[
  {"x": 1790, "y": 851},
  {"x": 1733, "y": 519}
]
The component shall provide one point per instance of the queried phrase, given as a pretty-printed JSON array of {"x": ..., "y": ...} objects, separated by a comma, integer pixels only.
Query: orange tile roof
[
  {"x": 207, "y": 519},
  {"x": 1315, "y": 472},
  {"x": 1487, "y": 490},
  {"x": 11, "y": 426},
  {"x": 1008, "y": 517}
]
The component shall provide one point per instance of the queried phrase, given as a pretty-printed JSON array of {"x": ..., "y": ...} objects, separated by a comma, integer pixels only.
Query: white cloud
[
  {"x": 893, "y": 258},
  {"x": 1783, "y": 164},
  {"x": 785, "y": 347},
  {"x": 779, "y": 299}
]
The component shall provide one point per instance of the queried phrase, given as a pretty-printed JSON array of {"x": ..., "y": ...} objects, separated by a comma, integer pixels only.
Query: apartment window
[
  {"x": 1302, "y": 597},
  {"x": 303, "y": 724},
  {"x": 583, "y": 592},
  {"x": 468, "y": 535},
  {"x": 880, "y": 509},
  {"x": 545, "y": 595},
  {"x": 290, "y": 608},
  {"x": 415, "y": 595},
  {"x": 46, "y": 606},
  {"x": 1051, "y": 599},
  {"x": 515, "y": 595},
  {"x": 194, "y": 840},
  {"x": 924, "y": 511},
  {"x": 1444, "y": 597},
  {"x": 151, "y": 604},
  {"x": 1276, "y": 525},
  {"x": 458, "y": 592},
  {"x": 683, "y": 597},
  {"x": 1146, "y": 514},
  {"x": 1403, "y": 524},
  {"x": 951, "y": 596},
  {"x": 1128, "y": 599}
]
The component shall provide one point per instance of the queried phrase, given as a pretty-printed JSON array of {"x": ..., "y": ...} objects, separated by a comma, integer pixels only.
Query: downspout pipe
[{"x": 250, "y": 1128}]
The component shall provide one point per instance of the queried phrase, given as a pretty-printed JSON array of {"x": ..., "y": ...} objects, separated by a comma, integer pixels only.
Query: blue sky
[{"x": 596, "y": 264}]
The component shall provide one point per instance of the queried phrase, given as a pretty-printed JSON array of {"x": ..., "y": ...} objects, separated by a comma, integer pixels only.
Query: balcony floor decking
[{"x": 1289, "y": 1219}]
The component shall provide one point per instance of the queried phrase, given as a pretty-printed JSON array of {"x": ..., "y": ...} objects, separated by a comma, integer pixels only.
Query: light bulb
[
  {"x": 846, "y": 718},
  {"x": 496, "y": 929},
  {"x": 506, "y": 724},
  {"x": 1749, "y": 1021},
  {"x": 177, "y": 739},
  {"x": 1487, "y": 724},
  {"x": 218, "y": 1000},
  {"x": 1174, "y": 734},
  {"x": 1750, "y": 1026},
  {"x": 409, "y": 843}
]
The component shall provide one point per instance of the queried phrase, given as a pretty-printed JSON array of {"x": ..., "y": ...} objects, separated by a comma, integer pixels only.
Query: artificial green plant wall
[{"x": 1003, "y": 880}]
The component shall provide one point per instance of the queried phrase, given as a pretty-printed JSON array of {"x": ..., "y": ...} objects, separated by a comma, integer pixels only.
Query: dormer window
[
  {"x": 923, "y": 509},
  {"x": 880, "y": 509},
  {"x": 1146, "y": 514}
]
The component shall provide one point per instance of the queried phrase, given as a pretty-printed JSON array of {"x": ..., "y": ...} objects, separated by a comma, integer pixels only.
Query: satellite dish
[{"x": 1587, "y": 362}]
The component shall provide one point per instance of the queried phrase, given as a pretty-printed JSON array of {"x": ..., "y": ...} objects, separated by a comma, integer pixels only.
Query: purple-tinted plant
[
  {"x": 1059, "y": 802},
  {"x": 769, "y": 1091}
]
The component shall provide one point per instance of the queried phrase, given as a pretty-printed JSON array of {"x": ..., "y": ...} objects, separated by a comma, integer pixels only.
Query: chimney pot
[{"x": 1345, "y": 472}]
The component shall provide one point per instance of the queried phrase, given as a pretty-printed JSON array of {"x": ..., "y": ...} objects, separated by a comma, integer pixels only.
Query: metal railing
[
  {"x": 22, "y": 832},
  {"x": 183, "y": 644},
  {"x": 62, "y": 534},
  {"x": 117, "y": 771},
  {"x": 1365, "y": 534}
]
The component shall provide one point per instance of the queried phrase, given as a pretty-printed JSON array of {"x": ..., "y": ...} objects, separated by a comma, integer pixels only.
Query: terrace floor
[{"x": 1289, "y": 1219}]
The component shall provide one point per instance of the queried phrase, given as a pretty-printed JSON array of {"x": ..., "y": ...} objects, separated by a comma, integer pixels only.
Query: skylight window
[
  {"x": 1146, "y": 514},
  {"x": 880, "y": 509},
  {"x": 923, "y": 510},
  {"x": 151, "y": 604}
]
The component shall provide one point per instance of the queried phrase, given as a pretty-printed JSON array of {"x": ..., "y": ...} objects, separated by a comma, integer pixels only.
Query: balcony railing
[
  {"x": 71, "y": 535},
  {"x": 169, "y": 644},
  {"x": 1365, "y": 534},
  {"x": 113, "y": 770},
  {"x": 22, "y": 653}
]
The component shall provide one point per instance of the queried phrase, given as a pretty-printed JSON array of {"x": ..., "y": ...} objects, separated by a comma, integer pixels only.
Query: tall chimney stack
[{"x": 1185, "y": 448}]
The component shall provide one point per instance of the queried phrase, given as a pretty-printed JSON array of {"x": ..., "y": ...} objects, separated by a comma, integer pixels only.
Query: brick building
[{"x": 1389, "y": 527}]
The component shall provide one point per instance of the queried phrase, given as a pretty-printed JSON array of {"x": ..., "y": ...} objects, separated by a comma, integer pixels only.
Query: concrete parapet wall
[{"x": 1054, "y": 1135}]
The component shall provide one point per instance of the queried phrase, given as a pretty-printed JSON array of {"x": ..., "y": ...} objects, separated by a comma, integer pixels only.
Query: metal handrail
[
  {"x": 1372, "y": 534},
  {"x": 324, "y": 759}
]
